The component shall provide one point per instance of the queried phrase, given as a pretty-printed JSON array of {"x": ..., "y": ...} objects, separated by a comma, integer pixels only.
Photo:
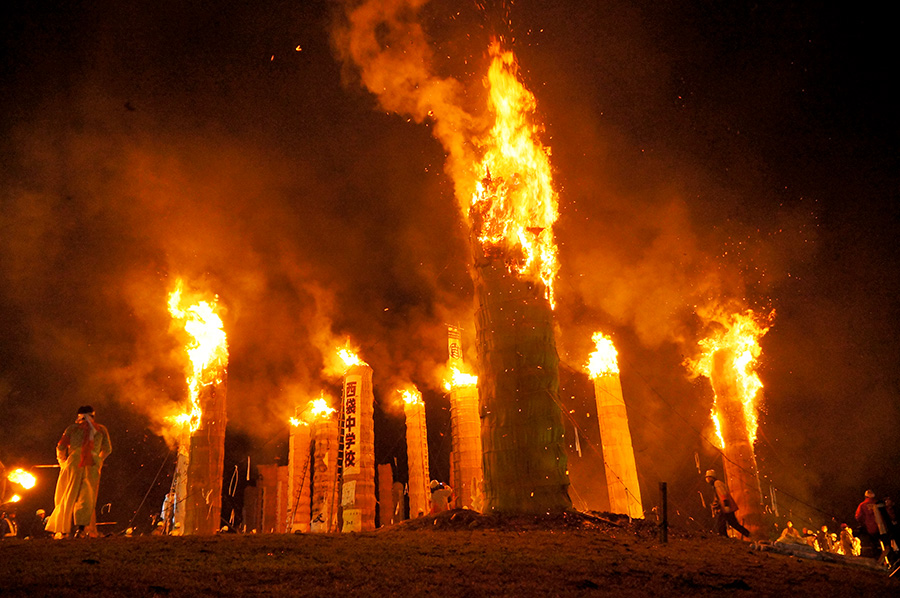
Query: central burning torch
[{"x": 511, "y": 216}]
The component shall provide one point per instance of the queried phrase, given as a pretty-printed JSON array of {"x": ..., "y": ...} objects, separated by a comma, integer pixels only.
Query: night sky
[{"x": 734, "y": 154}]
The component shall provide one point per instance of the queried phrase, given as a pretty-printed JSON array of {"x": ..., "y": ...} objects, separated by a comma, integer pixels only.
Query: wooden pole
[{"x": 664, "y": 524}]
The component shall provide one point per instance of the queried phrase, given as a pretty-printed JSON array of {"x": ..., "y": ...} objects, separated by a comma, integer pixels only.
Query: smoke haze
[{"x": 702, "y": 161}]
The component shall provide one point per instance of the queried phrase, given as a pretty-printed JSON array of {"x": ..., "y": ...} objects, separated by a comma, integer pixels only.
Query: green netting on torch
[{"x": 521, "y": 423}]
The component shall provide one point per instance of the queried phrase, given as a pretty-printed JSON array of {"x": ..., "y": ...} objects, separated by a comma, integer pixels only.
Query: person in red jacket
[{"x": 868, "y": 517}]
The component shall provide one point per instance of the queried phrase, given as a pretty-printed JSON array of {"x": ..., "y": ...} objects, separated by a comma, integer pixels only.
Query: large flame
[
  {"x": 207, "y": 350},
  {"x": 604, "y": 360},
  {"x": 22, "y": 478},
  {"x": 457, "y": 379},
  {"x": 349, "y": 357},
  {"x": 411, "y": 396},
  {"x": 320, "y": 408},
  {"x": 514, "y": 206},
  {"x": 740, "y": 336},
  {"x": 315, "y": 409}
]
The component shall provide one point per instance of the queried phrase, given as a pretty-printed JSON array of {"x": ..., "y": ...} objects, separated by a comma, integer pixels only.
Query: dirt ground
[{"x": 455, "y": 554}]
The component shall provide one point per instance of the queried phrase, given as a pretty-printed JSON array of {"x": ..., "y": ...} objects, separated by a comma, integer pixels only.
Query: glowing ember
[
  {"x": 740, "y": 338},
  {"x": 15, "y": 498},
  {"x": 22, "y": 478},
  {"x": 604, "y": 360},
  {"x": 514, "y": 206},
  {"x": 208, "y": 351},
  {"x": 458, "y": 379},
  {"x": 411, "y": 397}
]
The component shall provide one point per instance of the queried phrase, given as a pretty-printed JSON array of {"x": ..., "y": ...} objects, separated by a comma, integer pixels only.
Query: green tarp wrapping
[{"x": 521, "y": 423}]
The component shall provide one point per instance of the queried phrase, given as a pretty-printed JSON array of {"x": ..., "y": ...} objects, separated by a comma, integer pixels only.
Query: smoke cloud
[{"x": 243, "y": 151}]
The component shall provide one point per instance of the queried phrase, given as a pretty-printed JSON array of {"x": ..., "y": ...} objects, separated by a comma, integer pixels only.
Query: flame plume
[
  {"x": 604, "y": 360},
  {"x": 729, "y": 360},
  {"x": 514, "y": 205},
  {"x": 458, "y": 379},
  {"x": 207, "y": 351},
  {"x": 739, "y": 342}
]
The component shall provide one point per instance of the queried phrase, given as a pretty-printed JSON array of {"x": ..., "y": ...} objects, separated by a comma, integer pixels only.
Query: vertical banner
[
  {"x": 357, "y": 455},
  {"x": 352, "y": 387}
]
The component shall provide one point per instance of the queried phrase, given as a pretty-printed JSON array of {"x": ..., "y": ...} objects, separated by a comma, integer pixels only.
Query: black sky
[{"x": 742, "y": 153}]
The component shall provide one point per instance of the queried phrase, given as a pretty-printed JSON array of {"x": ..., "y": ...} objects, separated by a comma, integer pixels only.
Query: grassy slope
[{"x": 424, "y": 559}]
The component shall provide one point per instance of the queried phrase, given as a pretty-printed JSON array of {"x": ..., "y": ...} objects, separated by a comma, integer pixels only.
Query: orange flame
[
  {"x": 320, "y": 408},
  {"x": 208, "y": 351},
  {"x": 349, "y": 356},
  {"x": 458, "y": 379},
  {"x": 514, "y": 206},
  {"x": 22, "y": 478},
  {"x": 411, "y": 397},
  {"x": 15, "y": 498},
  {"x": 741, "y": 337},
  {"x": 317, "y": 408},
  {"x": 604, "y": 360}
]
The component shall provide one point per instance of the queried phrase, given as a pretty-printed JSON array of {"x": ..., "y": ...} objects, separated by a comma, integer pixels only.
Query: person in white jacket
[
  {"x": 724, "y": 507},
  {"x": 80, "y": 452}
]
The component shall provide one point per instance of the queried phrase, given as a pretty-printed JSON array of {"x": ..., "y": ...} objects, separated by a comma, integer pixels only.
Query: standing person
[
  {"x": 80, "y": 452},
  {"x": 847, "y": 540},
  {"x": 724, "y": 507},
  {"x": 867, "y": 517},
  {"x": 440, "y": 497}
]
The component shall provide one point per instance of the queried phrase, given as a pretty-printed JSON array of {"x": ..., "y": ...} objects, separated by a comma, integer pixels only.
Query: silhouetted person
[{"x": 724, "y": 507}]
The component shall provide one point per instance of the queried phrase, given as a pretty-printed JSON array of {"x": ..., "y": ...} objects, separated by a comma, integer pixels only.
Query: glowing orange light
[
  {"x": 458, "y": 379},
  {"x": 740, "y": 336},
  {"x": 22, "y": 478},
  {"x": 320, "y": 408},
  {"x": 15, "y": 498},
  {"x": 411, "y": 397},
  {"x": 604, "y": 360},
  {"x": 514, "y": 206},
  {"x": 207, "y": 351},
  {"x": 350, "y": 357}
]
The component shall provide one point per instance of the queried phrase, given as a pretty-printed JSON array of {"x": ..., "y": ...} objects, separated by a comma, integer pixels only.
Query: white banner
[{"x": 352, "y": 390}]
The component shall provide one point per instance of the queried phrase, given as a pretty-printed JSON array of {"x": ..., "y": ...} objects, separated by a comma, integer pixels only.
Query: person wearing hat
[
  {"x": 80, "y": 452},
  {"x": 440, "y": 497},
  {"x": 724, "y": 507},
  {"x": 870, "y": 515}
]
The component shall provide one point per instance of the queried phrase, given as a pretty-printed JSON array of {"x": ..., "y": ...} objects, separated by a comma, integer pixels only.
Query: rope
[{"x": 153, "y": 483}]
